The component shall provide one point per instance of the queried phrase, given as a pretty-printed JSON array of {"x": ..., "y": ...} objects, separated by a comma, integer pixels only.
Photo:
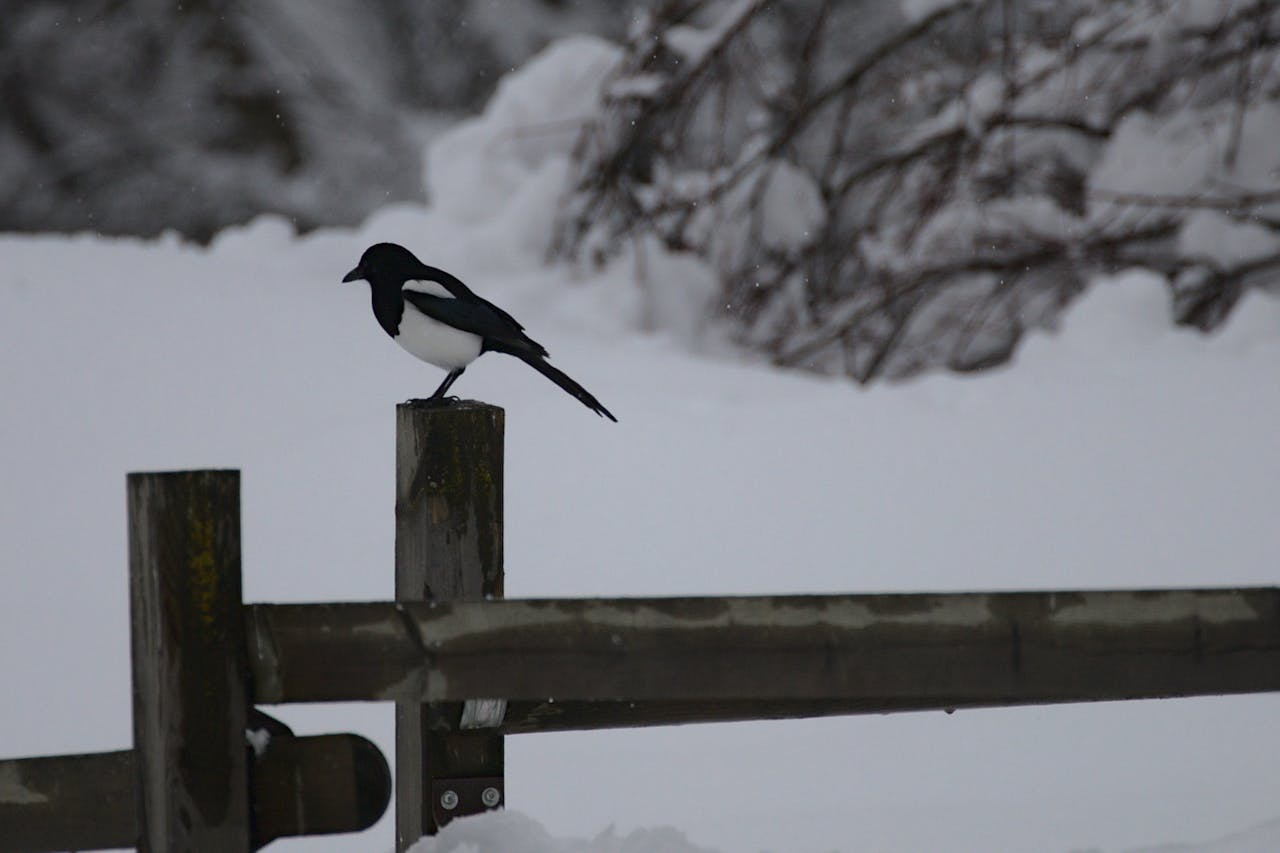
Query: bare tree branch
[{"x": 920, "y": 198}]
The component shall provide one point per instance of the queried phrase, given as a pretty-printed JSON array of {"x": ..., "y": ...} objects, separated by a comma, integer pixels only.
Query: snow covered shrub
[
  {"x": 886, "y": 187},
  {"x": 136, "y": 116}
]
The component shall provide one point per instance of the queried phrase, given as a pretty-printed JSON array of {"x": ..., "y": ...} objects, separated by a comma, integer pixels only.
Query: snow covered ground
[
  {"x": 502, "y": 831},
  {"x": 1117, "y": 452}
]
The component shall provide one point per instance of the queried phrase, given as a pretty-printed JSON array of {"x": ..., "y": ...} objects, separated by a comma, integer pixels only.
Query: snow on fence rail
[
  {"x": 202, "y": 659},
  {"x": 879, "y": 651}
]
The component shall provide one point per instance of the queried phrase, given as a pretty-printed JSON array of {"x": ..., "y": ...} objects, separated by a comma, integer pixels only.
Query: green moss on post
[
  {"x": 448, "y": 548},
  {"x": 190, "y": 676},
  {"x": 448, "y": 501}
]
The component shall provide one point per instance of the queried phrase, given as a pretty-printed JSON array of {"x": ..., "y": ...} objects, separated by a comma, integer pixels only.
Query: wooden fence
[{"x": 465, "y": 668}]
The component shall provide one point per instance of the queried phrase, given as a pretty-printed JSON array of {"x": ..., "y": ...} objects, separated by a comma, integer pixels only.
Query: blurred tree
[
  {"x": 884, "y": 187},
  {"x": 137, "y": 116}
]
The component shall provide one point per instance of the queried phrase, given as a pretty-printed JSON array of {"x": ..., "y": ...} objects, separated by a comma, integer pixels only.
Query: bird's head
[{"x": 385, "y": 262}]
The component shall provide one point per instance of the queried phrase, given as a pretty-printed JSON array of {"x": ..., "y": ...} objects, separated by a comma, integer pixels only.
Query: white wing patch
[
  {"x": 435, "y": 342},
  {"x": 431, "y": 288}
]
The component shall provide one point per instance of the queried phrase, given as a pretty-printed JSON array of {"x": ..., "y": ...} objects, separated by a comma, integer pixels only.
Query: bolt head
[
  {"x": 449, "y": 800},
  {"x": 490, "y": 797}
]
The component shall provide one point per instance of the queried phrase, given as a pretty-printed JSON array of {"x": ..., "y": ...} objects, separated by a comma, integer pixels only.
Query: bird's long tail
[{"x": 584, "y": 396}]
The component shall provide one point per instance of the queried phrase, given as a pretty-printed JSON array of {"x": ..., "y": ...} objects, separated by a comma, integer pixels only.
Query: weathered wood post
[
  {"x": 190, "y": 679},
  {"x": 448, "y": 547}
]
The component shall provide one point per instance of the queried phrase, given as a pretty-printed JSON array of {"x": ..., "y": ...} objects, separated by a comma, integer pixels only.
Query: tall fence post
[
  {"x": 190, "y": 678},
  {"x": 448, "y": 548}
]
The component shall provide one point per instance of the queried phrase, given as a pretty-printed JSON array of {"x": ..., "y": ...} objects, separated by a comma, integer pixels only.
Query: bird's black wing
[
  {"x": 454, "y": 285},
  {"x": 477, "y": 316}
]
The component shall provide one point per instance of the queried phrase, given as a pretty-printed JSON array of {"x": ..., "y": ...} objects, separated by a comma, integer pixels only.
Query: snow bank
[
  {"x": 506, "y": 830},
  {"x": 503, "y": 173},
  {"x": 516, "y": 152},
  {"x": 510, "y": 831},
  {"x": 1117, "y": 452}
]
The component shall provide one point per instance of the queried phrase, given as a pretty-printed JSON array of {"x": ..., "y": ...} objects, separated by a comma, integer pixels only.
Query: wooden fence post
[
  {"x": 190, "y": 677},
  {"x": 448, "y": 547}
]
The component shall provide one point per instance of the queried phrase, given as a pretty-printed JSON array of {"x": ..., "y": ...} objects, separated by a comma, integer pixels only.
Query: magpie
[{"x": 437, "y": 318}]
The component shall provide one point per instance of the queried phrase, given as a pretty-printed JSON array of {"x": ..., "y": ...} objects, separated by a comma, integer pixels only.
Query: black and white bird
[{"x": 436, "y": 317}]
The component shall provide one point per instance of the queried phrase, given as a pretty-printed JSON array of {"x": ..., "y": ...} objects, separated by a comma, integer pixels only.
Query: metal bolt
[
  {"x": 490, "y": 797},
  {"x": 449, "y": 800}
]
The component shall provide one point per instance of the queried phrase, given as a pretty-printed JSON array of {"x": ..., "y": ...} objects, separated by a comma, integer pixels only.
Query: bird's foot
[{"x": 443, "y": 402}]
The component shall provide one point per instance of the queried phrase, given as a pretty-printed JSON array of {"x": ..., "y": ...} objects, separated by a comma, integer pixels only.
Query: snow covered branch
[{"x": 883, "y": 192}]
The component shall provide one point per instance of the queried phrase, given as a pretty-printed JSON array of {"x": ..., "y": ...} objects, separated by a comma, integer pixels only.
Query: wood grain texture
[
  {"x": 318, "y": 785},
  {"x": 448, "y": 501},
  {"x": 300, "y": 786},
  {"x": 874, "y": 652},
  {"x": 67, "y": 802},
  {"x": 449, "y": 465},
  {"x": 190, "y": 680}
]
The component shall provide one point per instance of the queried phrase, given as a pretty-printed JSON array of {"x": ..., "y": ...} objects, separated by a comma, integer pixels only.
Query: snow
[
  {"x": 508, "y": 831},
  {"x": 1192, "y": 154},
  {"x": 505, "y": 831},
  {"x": 1187, "y": 152},
  {"x": 1223, "y": 241},
  {"x": 693, "y": 44},
  {"x": 259, "y": 739},
  {"x": 1193, "y": 14},
  {"x": 986, "y": 97},
  {"x": 533, "y": 119},
  {"x": 640, "y": 86},
  {"x": 917, "y": 10},
  {"x": 791, "y": 206},
  {"x": 1118, "y": 452},
  {"x": 966, "y": 228},
  {"x": 674, "y": 290}
]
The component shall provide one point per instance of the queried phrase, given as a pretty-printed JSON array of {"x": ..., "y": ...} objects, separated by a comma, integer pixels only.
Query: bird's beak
[{"x": 355, "y": 275}]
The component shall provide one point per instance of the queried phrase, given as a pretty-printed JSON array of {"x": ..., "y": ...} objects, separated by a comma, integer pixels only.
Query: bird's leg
[{"x": 448, "y": 381}]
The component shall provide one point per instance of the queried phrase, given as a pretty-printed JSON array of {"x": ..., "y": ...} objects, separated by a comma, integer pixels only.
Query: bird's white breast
[{"x": 435, "y": 342}]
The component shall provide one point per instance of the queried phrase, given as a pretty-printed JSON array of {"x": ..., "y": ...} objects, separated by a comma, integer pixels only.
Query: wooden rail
[
  {"x": 466, "y": 667},
  {"x": 873, "y": 653},
  {"x": 314, "y": 785}
]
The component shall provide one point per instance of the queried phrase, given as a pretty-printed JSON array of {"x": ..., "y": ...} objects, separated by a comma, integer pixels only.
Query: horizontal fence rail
[
  {"x": 299, "y": 786},
  {"x": 787, "y": 656},
  {"x": 467, "y": 667},
  {"x": 530, "y": 716}
]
